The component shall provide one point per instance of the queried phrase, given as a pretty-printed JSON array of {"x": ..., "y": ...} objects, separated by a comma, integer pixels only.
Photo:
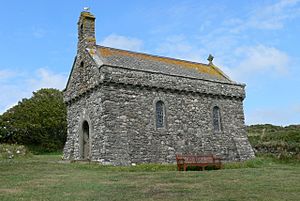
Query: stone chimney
[{"x": 86, "y": 30}]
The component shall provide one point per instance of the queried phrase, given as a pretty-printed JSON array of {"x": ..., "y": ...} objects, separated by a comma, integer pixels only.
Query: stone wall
[
  {"x": 170, "y": 82},
  {"x": 122, "y": 119},
  {"x": 82, "y": 77},
  {"x": 87, "y": 108}
]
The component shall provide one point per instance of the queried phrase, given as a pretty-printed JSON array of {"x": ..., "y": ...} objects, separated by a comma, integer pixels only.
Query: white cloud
[
  {"x": 16, "y": 85},
  {"x": 259, "y": 60},
  {"x": 177, "y": 46},
  {"x": 10, "y": 94},
  {"x": 5, "y": 74},
  {"x": 240, "y": 63},
  {"x": 269, "y": 17},
  {"x": 45, "y": 78},
  {"x": 122, "y": 42},
  {"x": 274, "y": 16}
]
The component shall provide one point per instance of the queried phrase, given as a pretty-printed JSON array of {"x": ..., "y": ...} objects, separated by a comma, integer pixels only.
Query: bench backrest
[{"x": 197, "y": 159}]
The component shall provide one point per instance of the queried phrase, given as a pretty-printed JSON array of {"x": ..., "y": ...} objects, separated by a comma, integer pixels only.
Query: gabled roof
[{"x": 146, "y": 62}]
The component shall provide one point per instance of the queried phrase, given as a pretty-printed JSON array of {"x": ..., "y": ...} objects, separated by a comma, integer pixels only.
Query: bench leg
[{"x": 185, "y": 167}]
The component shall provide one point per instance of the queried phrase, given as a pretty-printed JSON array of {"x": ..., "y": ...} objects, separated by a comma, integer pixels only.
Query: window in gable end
[
  {"x": 81, "y": 70},
  {"x": 81, "y": 65}
]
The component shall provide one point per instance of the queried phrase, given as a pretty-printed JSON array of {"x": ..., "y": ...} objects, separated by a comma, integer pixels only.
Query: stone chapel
[{"x": 126, "y": 107}]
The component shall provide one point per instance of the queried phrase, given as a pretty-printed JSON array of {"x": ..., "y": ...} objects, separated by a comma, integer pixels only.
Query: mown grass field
[{"x": 43, "y": 178}]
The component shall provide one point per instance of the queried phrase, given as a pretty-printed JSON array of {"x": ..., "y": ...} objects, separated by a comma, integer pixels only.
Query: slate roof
[{"x": 146, "y": 62}]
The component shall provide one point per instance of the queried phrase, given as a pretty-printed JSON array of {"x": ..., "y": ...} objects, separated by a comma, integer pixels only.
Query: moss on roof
[{"x": 201, "y": 68}]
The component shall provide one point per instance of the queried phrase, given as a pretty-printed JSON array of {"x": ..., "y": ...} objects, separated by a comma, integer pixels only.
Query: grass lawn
[{"x": 43, "y": 178}]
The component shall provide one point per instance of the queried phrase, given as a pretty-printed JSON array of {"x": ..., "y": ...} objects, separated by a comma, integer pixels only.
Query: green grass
[{"x": 43, "y": 178}]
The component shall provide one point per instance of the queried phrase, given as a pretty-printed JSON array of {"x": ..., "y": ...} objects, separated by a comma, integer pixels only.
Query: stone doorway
[{"x": 85, "y": 150}]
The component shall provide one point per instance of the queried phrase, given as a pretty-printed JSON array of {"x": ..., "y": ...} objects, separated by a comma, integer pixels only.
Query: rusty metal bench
[{"x": 184, "y": 161}]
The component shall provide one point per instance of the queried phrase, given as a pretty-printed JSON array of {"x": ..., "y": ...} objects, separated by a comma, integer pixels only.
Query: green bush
[
  {"x": 281, "y": 142},
  {"x": 36, "y": 122},
  {"x": 11, "y": 151}
]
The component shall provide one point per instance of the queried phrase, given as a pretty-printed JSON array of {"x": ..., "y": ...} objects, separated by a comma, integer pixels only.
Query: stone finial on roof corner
[{"x": 210, "y": 59}]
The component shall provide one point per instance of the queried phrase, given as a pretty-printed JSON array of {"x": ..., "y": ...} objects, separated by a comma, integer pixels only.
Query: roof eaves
[{"x": 228, "y": 82}]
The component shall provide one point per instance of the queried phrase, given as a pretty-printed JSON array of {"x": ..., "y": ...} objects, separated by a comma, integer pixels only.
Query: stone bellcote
[{"x": 86, "y": 30}]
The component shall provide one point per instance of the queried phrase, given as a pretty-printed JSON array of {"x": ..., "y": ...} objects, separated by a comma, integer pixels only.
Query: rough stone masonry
[{"x": 126, "y": 107}]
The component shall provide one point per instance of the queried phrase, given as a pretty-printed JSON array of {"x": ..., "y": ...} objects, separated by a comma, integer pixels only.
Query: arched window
[
  {"x": 160, "y": 114},
  {"x": 81, "y": 70},
  {"x": 85, "y": 140},
  {"x": 216, "y": 119},
  {"x": 81, "y": 64},
  {"x": 81, "y": 31}
]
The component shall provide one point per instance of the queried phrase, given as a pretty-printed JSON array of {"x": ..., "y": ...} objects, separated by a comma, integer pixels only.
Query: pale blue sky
[{"x": 255, "y": 42}]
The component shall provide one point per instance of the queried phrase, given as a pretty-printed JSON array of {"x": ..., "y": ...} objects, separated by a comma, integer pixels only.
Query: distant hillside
[{"x": 282, "y": 142}]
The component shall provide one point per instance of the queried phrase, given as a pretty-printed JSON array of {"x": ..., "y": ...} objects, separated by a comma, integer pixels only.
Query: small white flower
[{"x": 18, "y": 151}]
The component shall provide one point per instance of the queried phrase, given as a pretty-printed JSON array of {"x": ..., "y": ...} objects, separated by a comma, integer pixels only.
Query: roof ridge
[{"x": 153, "y": 55}]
